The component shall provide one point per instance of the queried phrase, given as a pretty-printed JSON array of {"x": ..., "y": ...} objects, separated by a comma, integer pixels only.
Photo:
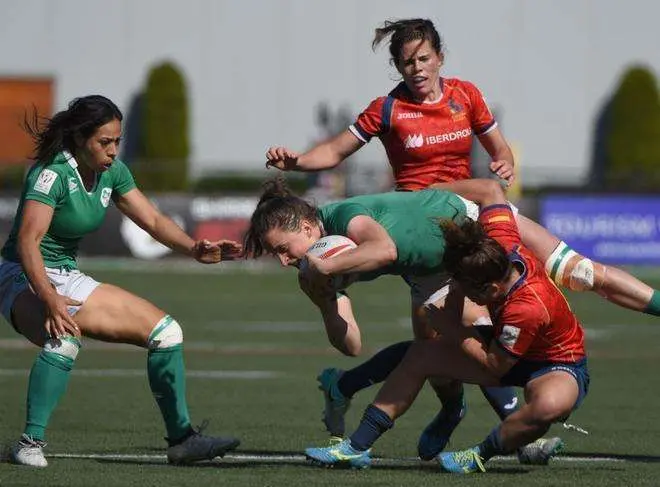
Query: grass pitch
[{"x": 254, "y": 345}]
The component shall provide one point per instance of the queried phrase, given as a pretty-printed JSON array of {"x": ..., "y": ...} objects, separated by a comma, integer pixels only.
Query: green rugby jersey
[
  {"x": 410, "y": 218},
  {"x": 77, "y": 211}
]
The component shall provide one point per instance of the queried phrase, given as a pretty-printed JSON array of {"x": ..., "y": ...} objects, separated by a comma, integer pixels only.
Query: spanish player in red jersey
[
  {"x": 426, "y": 125},
  {"x": 536, "y": 343},
  {"x": 411, "y": 132}
]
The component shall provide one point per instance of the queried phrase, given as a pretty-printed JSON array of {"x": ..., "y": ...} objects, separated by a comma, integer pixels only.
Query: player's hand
[
  {"x": 504, "y": 170},
  {"x": 315, "y": 268},
  {"x": 59, "y": 322},
  {"x": 208, "y": 252},
  {"x": 281, "y": 158},
  {"x": 314, "y": 280},
  {"x": 229, "y": 249}
]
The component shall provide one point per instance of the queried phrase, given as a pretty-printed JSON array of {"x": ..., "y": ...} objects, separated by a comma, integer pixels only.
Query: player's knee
[
  {"x": 61, "y": 351},
  {"x": 550, "y": 409},
  {"x": 166, "y": 334},
  {"x": 571, "y": 270}
]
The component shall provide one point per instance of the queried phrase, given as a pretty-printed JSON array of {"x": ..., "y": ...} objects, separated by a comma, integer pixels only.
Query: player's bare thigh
[
  {"x": 552, "y": 395},
  {"x": 115, "y": 315},
  {"x": 535, "y": 237}
]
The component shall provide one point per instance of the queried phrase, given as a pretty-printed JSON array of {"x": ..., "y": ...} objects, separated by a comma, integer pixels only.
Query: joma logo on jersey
[
  {"x": 405, "y": 115},
  {"x": 413, "y": 141}
]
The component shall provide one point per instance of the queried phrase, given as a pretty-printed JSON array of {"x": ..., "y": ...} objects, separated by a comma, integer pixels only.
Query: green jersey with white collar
[{"x": 76, "y": 211}]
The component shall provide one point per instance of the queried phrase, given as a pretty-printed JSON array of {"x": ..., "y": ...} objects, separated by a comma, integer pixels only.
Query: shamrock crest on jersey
[
  {"x": 73, "y": 185},
  {"x": 105, "y": 196}
]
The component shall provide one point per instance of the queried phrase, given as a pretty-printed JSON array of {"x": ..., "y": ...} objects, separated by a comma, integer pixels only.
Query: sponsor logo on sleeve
[
  {"x": 45, "y": 181},
  {"x": 509, "y": 336},
  {"x": 105, "y": 196}
]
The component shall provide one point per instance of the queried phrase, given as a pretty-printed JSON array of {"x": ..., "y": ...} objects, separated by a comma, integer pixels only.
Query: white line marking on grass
[
  {"x": 191, "y": 374},
  {"x": 253, "y": 348},
  {"x": 294, "y": 458}
]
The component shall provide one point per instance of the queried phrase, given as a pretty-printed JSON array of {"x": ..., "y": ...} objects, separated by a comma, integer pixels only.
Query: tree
[
  {"x": 633, "y": 143},
  {"x": 163, "y": 165}
]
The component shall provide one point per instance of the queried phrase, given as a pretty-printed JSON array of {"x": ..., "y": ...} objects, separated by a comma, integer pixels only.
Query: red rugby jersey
[
  {"x": 427, "y": 143},
  {"x": 535, "y": 321}
]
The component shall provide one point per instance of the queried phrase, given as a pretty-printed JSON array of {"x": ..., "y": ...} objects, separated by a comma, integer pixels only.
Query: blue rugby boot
[
  {"x": 340, "y": 455},
  {"x": 436, "y": 435},
  {"x": 464, "y": 461}
]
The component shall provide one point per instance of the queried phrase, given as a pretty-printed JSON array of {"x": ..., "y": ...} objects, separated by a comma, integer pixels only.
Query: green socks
[
  {"x": 167, "y": 380},
  {"x": 48, "y": 380},
  {"x": 653, "y": 308}
]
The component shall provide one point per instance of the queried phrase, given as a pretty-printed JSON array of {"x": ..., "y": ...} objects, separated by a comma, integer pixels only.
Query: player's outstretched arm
[
  {"x": 135, "y": 205},
  {"x": 325, "y": 155}
]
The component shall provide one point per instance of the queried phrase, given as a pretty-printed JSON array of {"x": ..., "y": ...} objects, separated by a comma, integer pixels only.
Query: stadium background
[{"x": 290, "y": 72}]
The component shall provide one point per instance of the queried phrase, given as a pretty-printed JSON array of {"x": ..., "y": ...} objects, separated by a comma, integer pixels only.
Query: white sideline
[{"x": 277, "y": 458}]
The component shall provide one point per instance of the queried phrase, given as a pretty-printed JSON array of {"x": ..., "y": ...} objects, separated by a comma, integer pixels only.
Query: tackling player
[
  {"x": 537, "y": 343},
  {"x": 396, "y": 233}
]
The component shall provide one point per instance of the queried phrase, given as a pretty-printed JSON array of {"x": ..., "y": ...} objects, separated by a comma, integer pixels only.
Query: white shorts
[
  {"x": 73, "y": 284},
  {"x": 423, "y": 287}
]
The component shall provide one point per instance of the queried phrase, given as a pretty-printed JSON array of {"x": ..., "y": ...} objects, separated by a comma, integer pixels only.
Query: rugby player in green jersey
[
  {"x": 397, "y": 233},
  {"x": 51, "y": 303}
]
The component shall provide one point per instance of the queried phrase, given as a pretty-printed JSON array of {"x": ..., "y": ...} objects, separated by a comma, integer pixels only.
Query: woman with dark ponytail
[
  {"x": 51, "y": 303},
  {"x": 536, "y": 343}
]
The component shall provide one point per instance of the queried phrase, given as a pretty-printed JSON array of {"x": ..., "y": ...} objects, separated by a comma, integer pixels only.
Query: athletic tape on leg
[
  {"x": 67, "y": 346},
  {"x": 569, "y": 269},
  {"x": 167, "y": 333}
]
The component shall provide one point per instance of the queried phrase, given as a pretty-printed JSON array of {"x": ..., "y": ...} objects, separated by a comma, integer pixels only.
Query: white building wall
[{"x": 257, "y": 68}]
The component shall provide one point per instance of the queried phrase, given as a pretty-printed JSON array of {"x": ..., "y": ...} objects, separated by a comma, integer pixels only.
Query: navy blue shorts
[{"x": 527, "y": 370}]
